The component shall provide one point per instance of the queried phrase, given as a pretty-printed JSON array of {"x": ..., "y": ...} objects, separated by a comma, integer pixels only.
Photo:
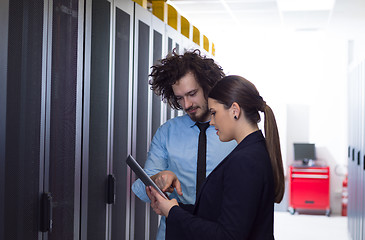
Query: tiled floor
[{"x": 309, "y": 227}]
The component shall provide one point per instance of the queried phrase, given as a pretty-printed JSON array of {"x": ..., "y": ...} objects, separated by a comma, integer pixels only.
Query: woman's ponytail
[{"x": 273, "y": 147}]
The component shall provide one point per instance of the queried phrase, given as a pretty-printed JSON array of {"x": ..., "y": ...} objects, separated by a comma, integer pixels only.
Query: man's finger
[
  {"x": 170, "y": 189},
  {"x": 177, "y": 185}
]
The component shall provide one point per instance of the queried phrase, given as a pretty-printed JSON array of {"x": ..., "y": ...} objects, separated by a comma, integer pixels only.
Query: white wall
[
  {"x": 298, "y": 74},
  {"x": 357, "y": 48}
]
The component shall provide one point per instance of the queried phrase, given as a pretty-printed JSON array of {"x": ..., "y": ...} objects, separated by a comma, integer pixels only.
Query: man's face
[{"x": 190, "y": 96}]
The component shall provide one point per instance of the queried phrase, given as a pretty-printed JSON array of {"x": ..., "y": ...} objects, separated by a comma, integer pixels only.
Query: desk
[{"x": 309, "y": 188}]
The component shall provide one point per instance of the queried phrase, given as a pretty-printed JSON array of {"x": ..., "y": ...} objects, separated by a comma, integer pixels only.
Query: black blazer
[{"x": 236, "y": 200}]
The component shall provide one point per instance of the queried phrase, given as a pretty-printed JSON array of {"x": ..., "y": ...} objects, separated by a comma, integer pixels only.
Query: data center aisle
[{"x": 313, "y": 227}]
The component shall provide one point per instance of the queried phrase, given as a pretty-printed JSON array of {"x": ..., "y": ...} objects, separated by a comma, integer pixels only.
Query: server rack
[
  {"x": 122, "y": 117},
  {"x": 173, "y": 39},
  {"x": 16, "y": 158},
  {"x": 41, "y": 138},
  {"x": 95, "y": 214},
  {"x": 141, "y": 113},
  {"x": 74, "y": 102},
  {"x": 4, "y": 22},
  {"x": 107, "y": 120},
  {"x": 63, "y": 104},
  {"x": 159, "y": 52},
  {"x": 356, "y": 150},
  {"x": 158, "y": 116}
]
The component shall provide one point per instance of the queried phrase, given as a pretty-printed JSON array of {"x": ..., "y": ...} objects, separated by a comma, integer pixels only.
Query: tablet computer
[{"x": 138, "y": 170}]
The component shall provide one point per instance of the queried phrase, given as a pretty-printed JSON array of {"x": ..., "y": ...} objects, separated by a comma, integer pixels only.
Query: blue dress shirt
[{"x": 175, "y": 147}]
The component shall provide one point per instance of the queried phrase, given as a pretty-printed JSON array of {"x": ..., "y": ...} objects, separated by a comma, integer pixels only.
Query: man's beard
[{"x": 203, "y": 115}]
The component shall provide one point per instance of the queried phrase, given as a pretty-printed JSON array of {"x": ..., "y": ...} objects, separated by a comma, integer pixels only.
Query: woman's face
[{"x": 222, "y": 119}]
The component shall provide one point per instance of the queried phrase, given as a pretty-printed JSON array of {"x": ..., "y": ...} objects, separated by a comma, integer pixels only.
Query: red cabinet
[{"x": 309, "y": 189}]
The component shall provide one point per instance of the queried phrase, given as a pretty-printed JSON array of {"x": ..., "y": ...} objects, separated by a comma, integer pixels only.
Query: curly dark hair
[{"x": 175, "y": 66}]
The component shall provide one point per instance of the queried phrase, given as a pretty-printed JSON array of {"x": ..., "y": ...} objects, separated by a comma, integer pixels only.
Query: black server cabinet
[
  {"x": 107, "y": 113},
  {"x": 174, "y": 40},
  {"x": 121, "y": 126},
  {"x": 149, "y": 47},
  {"x": 40, "y": 193},
  {"x": 63, "y": 119},
  {"x": 74, "y": 102},
  {"x": 95, "y": 129},
  {"x": 158, "y": 29},
  {"x": 170, "y": 49},
  {"x": 23, "y": 136},
  {"x": 4, "y": 22},
  {"x": 141, "y": 118},
  {"x": 156, "y": 104}
]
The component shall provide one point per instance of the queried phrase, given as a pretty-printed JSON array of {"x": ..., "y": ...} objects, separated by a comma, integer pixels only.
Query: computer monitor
[{"x": 305, "y": 152}]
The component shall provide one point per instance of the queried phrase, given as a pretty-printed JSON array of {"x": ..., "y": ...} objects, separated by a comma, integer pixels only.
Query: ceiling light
[{"x": 305, "y": 5}]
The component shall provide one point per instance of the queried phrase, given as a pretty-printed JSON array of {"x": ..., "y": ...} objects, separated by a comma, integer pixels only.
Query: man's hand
[
  {"x": 167, "y": 181},
  {"x": 159, "y": 204}
]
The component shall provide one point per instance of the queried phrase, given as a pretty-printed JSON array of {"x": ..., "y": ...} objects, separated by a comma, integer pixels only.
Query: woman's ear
[{"x": 236, "y": 110}]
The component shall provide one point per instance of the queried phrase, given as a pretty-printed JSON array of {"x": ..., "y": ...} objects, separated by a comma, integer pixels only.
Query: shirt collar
[{"x": 190, "y": 122}]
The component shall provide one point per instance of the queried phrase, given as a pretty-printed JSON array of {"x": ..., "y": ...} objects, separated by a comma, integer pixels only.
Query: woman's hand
[{"x": 160, "y": 205}]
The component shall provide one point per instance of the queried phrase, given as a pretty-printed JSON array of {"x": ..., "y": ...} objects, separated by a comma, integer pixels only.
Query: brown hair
[
  {"x": 237, "y": 89},
  {"x": 175, "y": 66}
]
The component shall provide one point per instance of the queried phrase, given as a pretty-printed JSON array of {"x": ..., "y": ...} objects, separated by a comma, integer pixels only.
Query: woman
[{"x": 237, "y": 198}]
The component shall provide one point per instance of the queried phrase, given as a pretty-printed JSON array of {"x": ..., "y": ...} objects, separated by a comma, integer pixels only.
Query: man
[{"x": 175, "y": 157}]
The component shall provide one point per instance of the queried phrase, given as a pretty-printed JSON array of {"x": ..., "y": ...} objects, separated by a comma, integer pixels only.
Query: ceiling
[{"x": 216, "y": 16}]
